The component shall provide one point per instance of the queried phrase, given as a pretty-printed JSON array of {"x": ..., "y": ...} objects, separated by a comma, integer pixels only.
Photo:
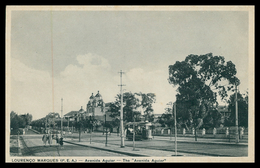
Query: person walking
[
  {"x": 44, "y": 139},
  {"x": 57, "y": 139},
  {"x": 50, "y": 139},
  {"x": 61, "y": 142}
]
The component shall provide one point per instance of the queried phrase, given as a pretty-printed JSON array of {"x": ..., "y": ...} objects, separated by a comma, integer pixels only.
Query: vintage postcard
[{"x": 149, "y": 84}]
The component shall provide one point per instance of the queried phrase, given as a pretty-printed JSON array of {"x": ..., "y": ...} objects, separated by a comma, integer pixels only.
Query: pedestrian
[
  {"x": 44, "y": 139},
  {"x": 50, "y": 139},
  {"x": 61, "y": 142},
  {"x": 57, "y": 139}
]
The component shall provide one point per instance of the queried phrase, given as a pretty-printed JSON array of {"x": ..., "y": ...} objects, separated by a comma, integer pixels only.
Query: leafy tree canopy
[
  {"x": 131, "y": 104},
  {"x": 242, "y": 102},
  {"x": 199, "y": 78},
  {"x": 204, "y": 71},
  {"x": 19, "y": 121}
]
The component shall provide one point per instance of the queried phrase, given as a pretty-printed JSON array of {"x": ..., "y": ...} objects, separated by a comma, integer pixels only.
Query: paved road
[
  {"x": 159, "y": 143},
  {"x": 34, "y": 147},
  {"x": 185, "y": 145}
]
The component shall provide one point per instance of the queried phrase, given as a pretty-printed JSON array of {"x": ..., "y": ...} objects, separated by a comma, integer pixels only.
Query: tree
[
  {"x": 213, "y": 119},
  {"x": 146, "y": 104},
  {"x": 12, "y": 115},
  {"x": 28, "y": 119},
  {"x": 242, "y": 110},
  {"x": 116, "y": 123},
  {"x": 130, "y": 103},
  {"x": 51, "y": 119},
  {"x": 14, "y": 120},
  {"x": 196, "y": 78},
  {"x": 166, "y": 119},
  {"x": 17, "y": 121}
]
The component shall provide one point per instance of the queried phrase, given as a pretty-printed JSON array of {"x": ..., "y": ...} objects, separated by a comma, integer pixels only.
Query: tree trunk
[
  {"x": 195, "y": 134},
  {"x": 229, "y": 134}
]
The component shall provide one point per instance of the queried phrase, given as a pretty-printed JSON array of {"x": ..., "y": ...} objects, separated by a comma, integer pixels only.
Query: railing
[{"x": 224, "y": 132}]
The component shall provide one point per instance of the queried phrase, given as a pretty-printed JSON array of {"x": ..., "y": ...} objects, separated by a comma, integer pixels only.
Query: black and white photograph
[{"x": 137, "y": 84}]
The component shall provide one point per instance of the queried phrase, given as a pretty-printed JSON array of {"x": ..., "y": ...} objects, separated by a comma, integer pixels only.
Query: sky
[{"x": 89, "y": 48}]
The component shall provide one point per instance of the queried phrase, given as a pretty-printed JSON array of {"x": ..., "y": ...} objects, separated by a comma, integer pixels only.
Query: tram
[{"x": 143, "y": 130}]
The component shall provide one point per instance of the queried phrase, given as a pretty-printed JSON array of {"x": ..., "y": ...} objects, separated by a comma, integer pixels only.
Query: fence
[{"x": 223, "y": 132}]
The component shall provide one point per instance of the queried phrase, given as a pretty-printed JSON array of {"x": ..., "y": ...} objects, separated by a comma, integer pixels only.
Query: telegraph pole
[
  {"x": 121, "y": 112},
  {"x": 61, "y": 124},
  {"x": 237, "y": 136}
]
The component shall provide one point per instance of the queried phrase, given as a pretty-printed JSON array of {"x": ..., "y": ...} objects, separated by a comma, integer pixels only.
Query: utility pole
[
  {"x": 237, "y": 136},
  {"x": 106, "y": 128},
  {"x": 61, "y": 124},
  {"x": 134, "y": 135},
  {"x": 121, "y": 112},
  {"x": 175, "y": 131}
]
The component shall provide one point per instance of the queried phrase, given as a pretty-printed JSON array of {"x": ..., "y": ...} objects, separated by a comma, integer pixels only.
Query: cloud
[
  {"x": 138, "y": 80},
  {"x": 32, "y": 88},
  {"x": 77, "y": 82}
]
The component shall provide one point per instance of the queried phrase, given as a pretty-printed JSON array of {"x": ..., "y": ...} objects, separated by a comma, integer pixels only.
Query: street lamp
[
  {"x": 61, "y": 126},
  {"x": 175, "y": 131},
  {"x": 237, "y": 135},
  {"x": 133, "y": 132}
]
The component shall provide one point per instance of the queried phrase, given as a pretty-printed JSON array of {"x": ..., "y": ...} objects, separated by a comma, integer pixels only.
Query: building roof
[
  {"x": 91, "y": 97},
  {"x": 72, "y": 113},
  {"x": 98, "y": 95}
]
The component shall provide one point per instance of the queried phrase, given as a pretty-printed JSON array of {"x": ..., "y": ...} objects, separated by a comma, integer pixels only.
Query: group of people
[{"x": 49, "y": 137}]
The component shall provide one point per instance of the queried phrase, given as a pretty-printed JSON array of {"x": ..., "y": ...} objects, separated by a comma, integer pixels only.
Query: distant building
[
  {"x": 96, "y": 108},
  {"x": 70, "y": 115}
]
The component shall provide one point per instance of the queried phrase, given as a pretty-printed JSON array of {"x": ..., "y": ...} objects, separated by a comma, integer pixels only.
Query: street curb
[
  {"x": 134, "y": 154},
  {"x": 25, "y": 147},
  {"x": 109, "y": 150},
  {"x": 190, "y": 152}
]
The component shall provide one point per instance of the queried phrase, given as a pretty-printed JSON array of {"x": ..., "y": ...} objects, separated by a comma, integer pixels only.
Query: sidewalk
[
  {"x": 142, "y": 152},
  {"x": 145, "y": 152}
]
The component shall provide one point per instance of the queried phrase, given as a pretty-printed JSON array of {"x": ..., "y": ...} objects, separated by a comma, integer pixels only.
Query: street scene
[
  {"x": 124, "y": 83},
  {"x": 32, "y": 145}
]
